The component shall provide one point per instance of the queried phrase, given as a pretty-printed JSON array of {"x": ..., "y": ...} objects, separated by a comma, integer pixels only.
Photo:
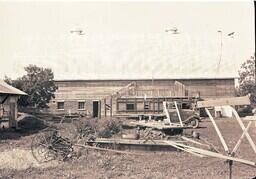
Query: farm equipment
[
  {"x": 175, "y": 115},
  {"x": 49, "y": 145}
]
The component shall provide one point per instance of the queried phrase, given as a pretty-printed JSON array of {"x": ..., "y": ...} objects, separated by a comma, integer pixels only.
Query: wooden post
[
  {"x": 166, "y": 112},
  {"x": 117, "y": 105},
  {"x": 99, "y": 111},
  {"x": 111, "y": 105},
  {"x": 217, "y": 130},
  {"x": 178, "y": 112},
  {"x": 105, "y": 107},
  {"x": 153, "y": 101},
  {"x": 158, "y": 107},
  {"x": 135, "y": 104},
  {"x": 12, "y": 116}
]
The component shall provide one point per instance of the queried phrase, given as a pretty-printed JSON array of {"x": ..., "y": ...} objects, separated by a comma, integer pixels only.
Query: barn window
[
  {"x": 60, "y": 105},
  {"x": 146, "y": 105},
  {"x": 130, "y": 106},
  {"x": 81, "y": 105}
]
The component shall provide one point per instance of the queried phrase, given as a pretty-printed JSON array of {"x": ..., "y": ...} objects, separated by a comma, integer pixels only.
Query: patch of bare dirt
[{"x": 21, "y": 159}]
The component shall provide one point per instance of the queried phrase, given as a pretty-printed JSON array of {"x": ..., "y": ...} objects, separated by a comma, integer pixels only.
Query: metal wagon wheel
[
  {"x": 49, "y": 145},
  {"x": 42, "y": 148}
]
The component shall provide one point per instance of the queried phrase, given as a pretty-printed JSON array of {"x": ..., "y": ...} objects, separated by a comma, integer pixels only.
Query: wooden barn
[
  {"x": 8, "y": 104},
  {"x": 98, "y": 98}
]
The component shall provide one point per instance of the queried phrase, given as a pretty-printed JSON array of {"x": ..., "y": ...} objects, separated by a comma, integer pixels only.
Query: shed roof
[{"x": 8, "y": 89}]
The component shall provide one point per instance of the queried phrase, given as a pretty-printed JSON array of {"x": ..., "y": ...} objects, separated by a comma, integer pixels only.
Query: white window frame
[{"x": 81, "y": 101}]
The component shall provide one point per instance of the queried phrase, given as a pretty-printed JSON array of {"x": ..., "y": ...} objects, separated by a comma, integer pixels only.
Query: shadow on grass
[{"x": 27, "y": 126}]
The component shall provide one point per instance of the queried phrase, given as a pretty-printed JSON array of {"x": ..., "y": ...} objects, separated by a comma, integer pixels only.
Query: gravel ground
[{"x": 149, "y": 165}]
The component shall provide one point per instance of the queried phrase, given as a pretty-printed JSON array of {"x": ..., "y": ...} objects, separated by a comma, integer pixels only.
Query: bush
[
  {"x": 104, "y": 128},
  {"x": 108, "y": 127},
  {"x": 245, "y": 111}
]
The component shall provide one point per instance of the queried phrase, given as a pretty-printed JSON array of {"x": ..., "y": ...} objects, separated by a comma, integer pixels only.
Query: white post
[
  {"x": 217, "y": 130},
  {"x": 241, "y": 138},
  {"x": 244, "y": 129},
  {"x": 166, "y": 112},
  {"x": 178, "y": 112}
]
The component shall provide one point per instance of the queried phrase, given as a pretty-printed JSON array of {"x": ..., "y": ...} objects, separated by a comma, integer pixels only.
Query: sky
[{"x": 126, "y": 39}]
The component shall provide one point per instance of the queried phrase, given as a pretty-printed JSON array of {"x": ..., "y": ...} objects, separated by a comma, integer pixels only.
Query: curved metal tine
[
  {"x": 49, "y": 155},
  {"x": 40, "y": 154},
  {"x": 39, "y": 142},
  {"x": 56, "y": 142},
  {"x": 53, "y": 136}
]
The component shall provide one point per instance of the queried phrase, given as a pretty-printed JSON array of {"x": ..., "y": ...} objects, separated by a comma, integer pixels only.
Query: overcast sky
[{"x": 126, "y": 39}]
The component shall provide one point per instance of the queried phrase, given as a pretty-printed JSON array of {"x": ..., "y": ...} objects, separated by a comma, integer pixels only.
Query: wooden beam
[
  {"x": 243, "y": 128},
  {"x": 107, "y": 150},
  {"x": 183, "y": 149},
  {"x": 244, "y": 100},
  {"x": 217, "y": 130},
  {"x": 166, "y": 112},
  {"x": 241, "y": 138},
  {"x": 210, "y": 153},
  {"x": 193, "y": 141},
  {"x": 178, "y": 112},
  {"x": 5, "y": 98}
]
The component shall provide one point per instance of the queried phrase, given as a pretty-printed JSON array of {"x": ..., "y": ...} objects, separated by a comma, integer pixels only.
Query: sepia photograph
[{"x": 127, "y": 89}]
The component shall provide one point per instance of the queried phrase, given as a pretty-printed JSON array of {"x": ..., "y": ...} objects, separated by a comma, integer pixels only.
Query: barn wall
[
  {"x": 210, "y": 88},
  {"x": 73, "y": 91}
]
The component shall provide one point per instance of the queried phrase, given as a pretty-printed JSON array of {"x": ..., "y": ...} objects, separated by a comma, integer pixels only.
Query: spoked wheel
[
  {"x": 41, "y": 147},
  {"x": 194, "y": 123},
  {"x": 48, "y": 146}
]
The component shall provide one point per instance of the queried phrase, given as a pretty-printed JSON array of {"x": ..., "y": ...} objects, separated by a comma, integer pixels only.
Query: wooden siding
[
  {"x": 89, "y": 90},
  {"x": 10, "y": 108},
  {"x": 155, "y": 104}
]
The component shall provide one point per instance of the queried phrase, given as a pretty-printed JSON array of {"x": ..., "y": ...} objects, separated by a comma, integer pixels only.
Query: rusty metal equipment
[{"x": 49, "y": 145}]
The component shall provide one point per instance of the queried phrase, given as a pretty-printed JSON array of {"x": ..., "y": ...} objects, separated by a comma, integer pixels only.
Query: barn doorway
[{"x": 95, "y": 108}]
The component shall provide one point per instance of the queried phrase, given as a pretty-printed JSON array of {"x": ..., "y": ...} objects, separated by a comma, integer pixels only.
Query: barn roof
[
  {"x": 145, "y": 79},
  {"x": 8, "y": 89}
]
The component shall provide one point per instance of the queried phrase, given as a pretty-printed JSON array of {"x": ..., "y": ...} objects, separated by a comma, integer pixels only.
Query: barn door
[{"x": 96, "y": 108}]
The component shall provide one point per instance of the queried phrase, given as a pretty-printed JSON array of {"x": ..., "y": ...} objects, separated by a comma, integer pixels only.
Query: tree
[
  {"x": 247, "y": 83},
  {"x": 38, "y": 83}
]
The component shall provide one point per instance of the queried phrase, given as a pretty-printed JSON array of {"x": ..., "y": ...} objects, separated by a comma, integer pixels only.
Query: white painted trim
[{"x": 60, "y": 109}]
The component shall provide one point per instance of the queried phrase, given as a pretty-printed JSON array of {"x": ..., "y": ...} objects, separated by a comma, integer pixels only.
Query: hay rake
[{"x": 49, "y": 145}]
